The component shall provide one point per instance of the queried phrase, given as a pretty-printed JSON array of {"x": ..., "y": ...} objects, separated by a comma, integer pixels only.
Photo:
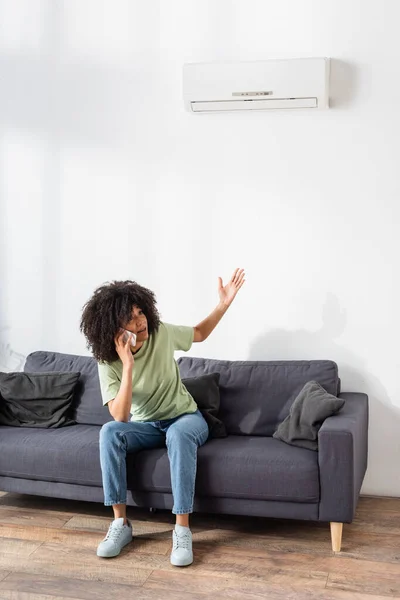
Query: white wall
[{"x": 104, "y": 176}]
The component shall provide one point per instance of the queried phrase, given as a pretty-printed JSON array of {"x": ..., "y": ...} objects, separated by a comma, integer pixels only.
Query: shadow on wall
[
  {"x": 9, "y": 359},
  {"x": 383, "y": 475},
  {"x": 343, "y": 83}
]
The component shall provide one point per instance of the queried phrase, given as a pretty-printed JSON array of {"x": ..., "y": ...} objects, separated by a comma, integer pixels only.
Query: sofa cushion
[
  {"x": 87, "y": 404},
  {"x": 309, "y": 410},
  {"x": 234, "y": 467},
  {"x": 257, "y": 396},
  {"x": 205, "y": 391},
  {"x": 237, "y": 467},
  {"x": 68, "y": 454},
  {"x": 37, "y": 399}
]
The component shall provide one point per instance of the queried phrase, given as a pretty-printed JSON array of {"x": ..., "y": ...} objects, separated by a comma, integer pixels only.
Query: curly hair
[{"x": 109, "y": 309}]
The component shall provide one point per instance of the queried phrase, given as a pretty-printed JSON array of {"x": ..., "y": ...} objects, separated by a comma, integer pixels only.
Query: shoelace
[
  {"x": 182, "y": 541},
  {"x": 113, "y": 533}
]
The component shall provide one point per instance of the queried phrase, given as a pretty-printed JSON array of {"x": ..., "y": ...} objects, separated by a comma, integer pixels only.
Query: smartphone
[{"x": 127, "y": 335}]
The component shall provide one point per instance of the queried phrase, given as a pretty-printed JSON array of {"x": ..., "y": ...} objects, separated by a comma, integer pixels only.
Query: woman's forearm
[
  {"x": 120, "y": 408},
  {"x": 203, "y": 329},
  {"x": 227, "y": 294}
]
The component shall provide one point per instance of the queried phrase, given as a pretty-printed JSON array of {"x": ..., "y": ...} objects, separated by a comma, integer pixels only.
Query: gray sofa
[{"x": 247, "y": 473}]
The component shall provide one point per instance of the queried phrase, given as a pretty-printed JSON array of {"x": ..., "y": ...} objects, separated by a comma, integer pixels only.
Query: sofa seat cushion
[
  {"x": 67, "y": 455},
  {"x": 258, "y": 468},
  {"x": 234, "y": 467}
]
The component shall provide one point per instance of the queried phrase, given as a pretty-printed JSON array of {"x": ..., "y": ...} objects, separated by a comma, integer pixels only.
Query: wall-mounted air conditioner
[{"x": 260, "y": 85}]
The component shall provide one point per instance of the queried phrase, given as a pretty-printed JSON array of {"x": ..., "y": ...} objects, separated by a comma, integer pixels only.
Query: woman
[{"x": 151, "y": 407}]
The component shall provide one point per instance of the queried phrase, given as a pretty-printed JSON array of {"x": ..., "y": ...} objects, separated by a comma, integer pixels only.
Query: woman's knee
[
  {"x": 109, "y": 432},
  {"x": 184, "y": 437}
]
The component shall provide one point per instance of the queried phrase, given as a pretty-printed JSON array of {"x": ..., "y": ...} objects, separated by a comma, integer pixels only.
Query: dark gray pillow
[
  {"x": 36, "y": 399},
  {"x": 205, "y": 391},
  {"x": 307, "y": 413}
]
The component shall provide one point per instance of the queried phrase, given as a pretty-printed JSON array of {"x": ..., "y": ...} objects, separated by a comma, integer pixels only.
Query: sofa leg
[{"x": 336, "y": 535}]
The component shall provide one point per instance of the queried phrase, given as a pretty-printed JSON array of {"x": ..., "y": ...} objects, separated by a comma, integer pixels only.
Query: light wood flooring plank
[
  {"x": 292, "y": 560},
  {"x": 13, "y": 595},
  {"x": 355, "y": 544},
  {"x": 35, "y": 587},
  {"x": 18, "y": 547},
  {"x": 217, "y": 587},
  {"x": 128, "y": 557},
  {"x": 374, "y": 583},
  {"x": 188, "y": 581},
  {"x": 35, "y": 517},
  {"x": 88, "y": 523},
  {"x": 4, "y": 574},
  {"x": 79, "y": 563},
  {"x": 140, "y": 526},
  {"x": 255, "y": 569},
  {"x": 381, "y": 504},
  {"x": 80, "y": 538}
]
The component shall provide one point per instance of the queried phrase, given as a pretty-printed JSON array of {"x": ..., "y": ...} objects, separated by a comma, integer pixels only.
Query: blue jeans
[{"x": 182, "y": 436}]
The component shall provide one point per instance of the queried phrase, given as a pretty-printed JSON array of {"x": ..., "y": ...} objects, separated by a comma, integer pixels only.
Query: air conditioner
[{"x": 260, "y": 85}]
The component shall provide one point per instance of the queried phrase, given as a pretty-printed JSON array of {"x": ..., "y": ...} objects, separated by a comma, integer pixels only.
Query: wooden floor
[{"x": 48, "y": 552}]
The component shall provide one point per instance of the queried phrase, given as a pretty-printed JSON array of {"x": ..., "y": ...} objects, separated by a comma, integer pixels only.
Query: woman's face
[{"x": 138, "y": 324}]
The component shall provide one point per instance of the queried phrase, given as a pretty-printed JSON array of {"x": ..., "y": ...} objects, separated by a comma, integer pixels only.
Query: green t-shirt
[{"x": 157, "y": 389}]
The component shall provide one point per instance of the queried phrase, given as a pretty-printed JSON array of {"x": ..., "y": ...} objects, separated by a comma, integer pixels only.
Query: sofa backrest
[
  {"x": 257, "y": 396},
  {"x": 87, "y": 405}
]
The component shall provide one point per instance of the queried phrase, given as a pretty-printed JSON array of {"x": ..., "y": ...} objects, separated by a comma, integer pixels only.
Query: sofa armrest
[{"x": 342, "y": 458}]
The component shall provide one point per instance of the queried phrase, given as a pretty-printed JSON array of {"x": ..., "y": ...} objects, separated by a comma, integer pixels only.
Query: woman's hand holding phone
[{"x": 123, "y": 343}]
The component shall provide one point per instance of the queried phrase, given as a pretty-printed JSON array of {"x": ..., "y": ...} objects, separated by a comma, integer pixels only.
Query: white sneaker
[
  {"x": 118, "y": 536},
  {"x": 182, "y": 553}
]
